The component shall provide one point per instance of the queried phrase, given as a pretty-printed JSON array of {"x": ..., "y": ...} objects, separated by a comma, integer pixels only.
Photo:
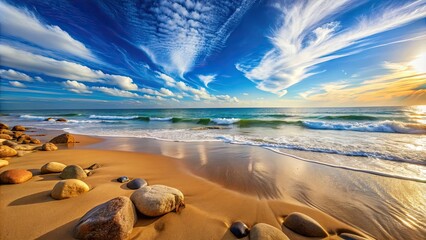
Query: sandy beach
[{"x": 28, "y": 212}]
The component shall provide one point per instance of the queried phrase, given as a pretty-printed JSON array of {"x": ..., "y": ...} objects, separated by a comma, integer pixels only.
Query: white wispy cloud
[
  {"x": 24, "y": 25},
  {"x": 116, "y": 92},
  {"x": 17, "y": 84},
  {"x": 176, "y": 35},
  {"x": 206, "y": 79},
  {"x": 27, "y": 61},
  {"x": 14, "y": 75},
  {"x": 307, "y": 37},
  {"x": 76, "y": 87}
]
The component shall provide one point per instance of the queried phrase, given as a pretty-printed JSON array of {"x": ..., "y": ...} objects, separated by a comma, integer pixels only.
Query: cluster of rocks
[{"x": 57, "y": 120}]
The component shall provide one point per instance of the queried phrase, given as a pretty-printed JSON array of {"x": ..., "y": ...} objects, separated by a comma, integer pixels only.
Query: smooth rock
[
  {"x": 304, "y": 225},
  {"x": 10, "y": 143},
  {"x": 49, "y": 119},
  {"x": 6, "y": 131},
  {"x": 52, "y": 167},
  {"x": 6, "y": 151},
  {"x": 24, "y": 139},
  {"x": 73, "y": 171},
  {"x": 239, "y": 229},
  {"x": 88, "y": 172},
  {"x": 351, "y": 236},
  {"x": 69, "y": 188},
  {"x": 18, "y": 134},
  {"x": 5, "y": 136},
  {"x": 35, "y": 141},
  {"x": 49, "y": 147},
  {"x": 18, "y": 128},
  {"x": 23, "y": 147},
  {"x": 3, "y": 126},
  {"x": 263, "y": 231},
  {"x": 112, "y": 220},
  {"x": 63, "y": 138},
  {"x": 122, "y": 179},
  {"x": 3, "y": 163},
  {"x": 157, "y": 200},
  {"x": 137, "y": 183},
  {"x": 14, "y": 176},
  {"x": 94, "y": 166},
  {"x": 61, "y": 120}
]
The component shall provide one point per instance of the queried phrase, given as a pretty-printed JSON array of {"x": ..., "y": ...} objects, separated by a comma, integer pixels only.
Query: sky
[{"x": 186, "y": 53}]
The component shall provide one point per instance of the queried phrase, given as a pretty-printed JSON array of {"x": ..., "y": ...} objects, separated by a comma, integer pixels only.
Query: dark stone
[
  {"x": 73, "y": 171},
  {"x": 3, "y": 126},
  {"x": 61, "y": 120},
  {"x": 93, "y": 166},
  {"x": 137, "y": 183},
  {"x": 18, "y": 128},
  {"x": 63, "y": 138},
  {"x": 123, "y": 179},
  {"x": 304, "y": 225},
  {"x": 239, "y": 229},
  {"x": 351, "y": 236}
]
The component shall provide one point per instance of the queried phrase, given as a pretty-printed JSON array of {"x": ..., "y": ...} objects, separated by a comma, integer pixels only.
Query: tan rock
[
  {"x": 15, "y": 176},
  {"x": 5, "y": 136},
  {"x": 3, "y": 163},
  {"x": 69, "y": 188},
  {"x": 6, "y": 131},
  {"x": 6, "y": 151},
  {"x": 73, "y": 171},
  {"x": 35, "y": 141},
  {"x": 304, "y": 225},
  {"x": 18, "y": 134},
  {"x": 111, "y": 220},
  {"x": 49, "y": 147},
  {"x": 63, "y": 138},
  {"x": 10, "y": 143},
  {"x": 18, "y": 128},
  {"x": 24, "y": 147},
  {"x": 61, "y": 120},
  {"x": 263, "y": 231},
  {"x": 52, "y": 167},
  {"x": 157, "y": 200},
  {"x": 3, "y": 126}
]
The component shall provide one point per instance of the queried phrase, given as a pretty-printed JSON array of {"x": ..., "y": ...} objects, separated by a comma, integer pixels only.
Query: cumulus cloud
[
  {"x": 27, "y": 61},
  {"x": 166, "y": 92},
  {"x": 17, "y": 84},
  {"x": 14, "y": 75},
  {"x": 76, "y": 87},
  {"x": 115, "y": 92},
  {"x": 206, "y": 79},
  {"x": 306, "y": 37},
  {"x": 22, "y": 24}
]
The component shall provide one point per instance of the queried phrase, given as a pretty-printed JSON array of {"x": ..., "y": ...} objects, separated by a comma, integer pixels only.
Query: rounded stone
[
  {"x": 263, "y": 231},
  {"x": 3, "y": 163},
  {"x": 157, "y": 200},
  {"x": 18, "y": 128},
  {"x": 5, "y": 136},
  {"x": 239, "y": 229},
  {"x": 18, "y": 134},
  {"x": 122, "y": 179},
  {"x": 304, "y": 225},
  {"x": 137, "y": 183},
  {"x": 52, "y": 167},
  {"x": 61, "y": 120},
  {"x": 15, "y": 176},
  {"x": 49, "y": 147},
  {"x": 69, "y": 188},
  {"x": 35, "y": 141},
  {"x": 73, "y": 171},
  {"x": 3, "y": 126},
  {"x": 63, "y": 138},
  {"x": 6, "y": 131},
  {"x": 351, "y": 236},
  {"x": 10, "y": 143},
  {"x": 6, "y": 151}
]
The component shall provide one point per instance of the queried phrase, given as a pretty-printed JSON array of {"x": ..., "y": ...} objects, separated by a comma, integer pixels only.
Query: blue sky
[{"x": 160, "y": 54}]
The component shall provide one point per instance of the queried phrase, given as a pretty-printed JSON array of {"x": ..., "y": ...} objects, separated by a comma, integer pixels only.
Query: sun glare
[{"x": 419, "y": 63}]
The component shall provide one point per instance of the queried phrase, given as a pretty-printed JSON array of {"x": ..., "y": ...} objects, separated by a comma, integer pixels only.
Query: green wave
[
  {"x": 204, "y": 121},
  {"x": 244, "y": 123},
  {"x": 350, "y": 117}
]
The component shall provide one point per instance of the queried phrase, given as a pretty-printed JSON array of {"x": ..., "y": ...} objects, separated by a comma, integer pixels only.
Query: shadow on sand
[
  {"x": 40, "y": 197},
  {"x": 63, "y": 232}
]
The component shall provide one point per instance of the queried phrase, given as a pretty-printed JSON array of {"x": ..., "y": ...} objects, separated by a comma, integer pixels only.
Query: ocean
[{"x": 387, "y": 141}]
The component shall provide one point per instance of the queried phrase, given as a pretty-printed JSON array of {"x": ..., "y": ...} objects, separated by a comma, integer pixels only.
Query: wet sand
[{"x": 28, "y": 212}]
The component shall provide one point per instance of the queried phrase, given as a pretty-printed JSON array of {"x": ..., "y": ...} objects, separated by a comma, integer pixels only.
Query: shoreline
[{"x": 207, "y": 203}]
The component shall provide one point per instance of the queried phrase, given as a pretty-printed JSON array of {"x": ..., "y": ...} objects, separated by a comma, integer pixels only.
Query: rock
[
  {"x": 18, "y": 134},
  {"x": 63, "y": 138},
  {"x": 157, "y": 200},
  {"x": 111, "y": 220},
  {"x": 24, "y": 139},
  {"x": 239, "y": 229},
  {"x": 73, "y": 171},
  {"x": 61, "y": 120},
  {"x": 137, "y": 183},
  {"x": 263, "y": 231},
  {"x": 5, "y": 136},
  {"x": 49, "y": 147},
  {"x": 3, "y": 126},
  {"x": 52, "y": 167},
  {"x": 69, "y": 188},
  {"x": 122, "y": 179},
  {"x": 88, "y": 172},
  {"x": 49, "y": 119},
  {"x": 15, "y": 176},
  {"x": 23, "y": 147},
  {"x": 3, "y": 163},
  {"x": 6, "y": 151},
  {"x": 6, "y": 131},
  {"x": 351, "y": 236},
  {"x": 304, "y": 225},
  {"x": 35, "y": 141},
  {"x": 93, "y": 166},
  {"x": 10, "y": 143},
  {"x": 18, "y": 128}
]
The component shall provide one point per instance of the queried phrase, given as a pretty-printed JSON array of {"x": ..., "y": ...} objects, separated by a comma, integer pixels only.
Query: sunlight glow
[{"x": 419, "y": 63}]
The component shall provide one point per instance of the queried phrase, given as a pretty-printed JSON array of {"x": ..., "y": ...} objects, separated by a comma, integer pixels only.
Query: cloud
[
  {"x": 17, "y": 84},
  {"x": 306, "y": 37},
  {"x": 116, "y": 92},
  {"x": 14, "y": 75},
  {"x": 206, "y": 79},
  {"x": 178, "y": 34},
  {"x": 245, "y": 94},
  {"x": 24, "y": 25},
  {"x": 166, "y": 92},
  {"x": 27, "y": 61},
  {"x": 76, "y": 87}
]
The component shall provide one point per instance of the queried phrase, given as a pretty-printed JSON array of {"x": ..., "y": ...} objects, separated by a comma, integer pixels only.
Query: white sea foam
[
  {"x": 225, "y": 121},
  {"x": 32, "y": 117},
  {"x": 160, "y": 119},
  {"x": 106, "y": 117}
]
